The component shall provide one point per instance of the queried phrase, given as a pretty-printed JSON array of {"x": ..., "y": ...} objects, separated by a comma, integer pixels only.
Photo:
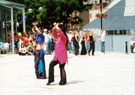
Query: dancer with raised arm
[
  {"x": 60, "y": 56},
  {"x": 39, "y": 55}
]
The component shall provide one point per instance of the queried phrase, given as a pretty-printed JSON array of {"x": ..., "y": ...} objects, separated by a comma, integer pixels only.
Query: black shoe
[
  {"x": 62, "y": 83},
  {"x": 48, "y": 83},
  {"x": 40, "y": 74}
]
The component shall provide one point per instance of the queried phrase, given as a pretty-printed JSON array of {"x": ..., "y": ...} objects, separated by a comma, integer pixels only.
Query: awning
[{"x": 10, "y": 4}]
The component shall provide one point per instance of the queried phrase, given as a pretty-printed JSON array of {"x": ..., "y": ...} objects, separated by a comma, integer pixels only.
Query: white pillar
[
  {"x": 24, "y": 25},
  {"x": 16, "y": 22},
  {"x": 12, "y": 29}
]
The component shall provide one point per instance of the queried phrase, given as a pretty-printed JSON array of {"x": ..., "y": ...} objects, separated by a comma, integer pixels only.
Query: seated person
[
  {"x": 22, "y": 50},
  {"x": 30, "y": 48}
]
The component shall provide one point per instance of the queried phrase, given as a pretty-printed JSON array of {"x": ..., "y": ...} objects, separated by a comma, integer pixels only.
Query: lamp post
[
  {"x": 30, "y": 10},
  {"x": 40, "y": 8},
  {"x": 101, "y": 6}
]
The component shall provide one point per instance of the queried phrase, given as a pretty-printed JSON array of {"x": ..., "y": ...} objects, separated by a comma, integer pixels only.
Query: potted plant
[
  {"x": 103, "y": 15},
  {"x": 98, "y": 15}
]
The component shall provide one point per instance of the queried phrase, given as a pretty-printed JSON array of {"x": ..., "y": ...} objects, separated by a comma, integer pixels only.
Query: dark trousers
[
  {"x": 132, "y": 48},
  {"x": 92, "y": 47},
  {"x": 76, "y": 45},
  {"x": 20, "y": 53},
  {"x": 62, "y": 71}
]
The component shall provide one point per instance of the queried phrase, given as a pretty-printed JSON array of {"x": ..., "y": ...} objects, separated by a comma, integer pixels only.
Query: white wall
[
  {"x": 93, "y": 14},
  {"x": 114, "y": 43},
  {"x": 129, "y": 7}
]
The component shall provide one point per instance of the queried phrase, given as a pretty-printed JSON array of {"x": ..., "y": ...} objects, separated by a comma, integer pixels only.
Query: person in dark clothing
[
  {"x": 83, "y": 50},
  {"x": 76, "y": 43},
  {"x": 92, "y": 42}
]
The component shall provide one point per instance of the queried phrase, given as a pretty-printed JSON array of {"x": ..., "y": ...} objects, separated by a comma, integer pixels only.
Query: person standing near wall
[
  {"x": 83, "y": 49},
  {"x": 132, "y": 42},
  {"x": 45, "y": 46},
  {"x": 92, "y": 42},
  {"x": 16, "y": 40},
  {"x": 86, "y": 42},
  {"x": 50, "y": 42},
  {"x": 70, "y": 42},
  {"x": 76, "y": 43},
  {"x": 103, "y": 34}
]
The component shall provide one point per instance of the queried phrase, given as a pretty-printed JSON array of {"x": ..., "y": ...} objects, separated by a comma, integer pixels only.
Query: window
[
  {"x": 117, "y": 32},
  {"x": 90, "y": 15},
  {"x": 96, "y": 1}
]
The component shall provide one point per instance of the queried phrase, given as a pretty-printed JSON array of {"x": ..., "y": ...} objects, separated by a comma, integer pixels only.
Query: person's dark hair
[
  {"x": 30, "y": 41},
  {"x": 22, "y": 45},
  {"x": 38, "y": 25},
  {"x": 64, "y": 31},
  {"x": 67, "y": 40},
  {"x": 15, "y": 34},
  {"x": 23, "y": 33}
]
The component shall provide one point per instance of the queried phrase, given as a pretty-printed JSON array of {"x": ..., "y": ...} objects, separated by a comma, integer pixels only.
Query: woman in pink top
[{"x": 60, "y": 56}]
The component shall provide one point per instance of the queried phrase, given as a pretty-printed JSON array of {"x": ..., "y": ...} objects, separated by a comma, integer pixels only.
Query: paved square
[{"x": 102, "y": 74}]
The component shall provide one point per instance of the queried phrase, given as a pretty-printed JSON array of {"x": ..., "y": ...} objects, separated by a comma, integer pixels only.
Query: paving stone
[{"x": 102, "y": 74}]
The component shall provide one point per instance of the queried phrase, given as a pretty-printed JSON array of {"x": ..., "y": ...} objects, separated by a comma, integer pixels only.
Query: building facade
[
  {"x": 89, "y": 16},
  {"x": 120, "y": 28}
]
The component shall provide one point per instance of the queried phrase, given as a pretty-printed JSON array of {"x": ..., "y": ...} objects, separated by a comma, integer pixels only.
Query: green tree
[{"x": 54, "y": 11}]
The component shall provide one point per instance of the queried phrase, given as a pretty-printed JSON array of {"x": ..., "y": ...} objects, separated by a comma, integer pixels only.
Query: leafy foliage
[{"x": 54, "y": 11}]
